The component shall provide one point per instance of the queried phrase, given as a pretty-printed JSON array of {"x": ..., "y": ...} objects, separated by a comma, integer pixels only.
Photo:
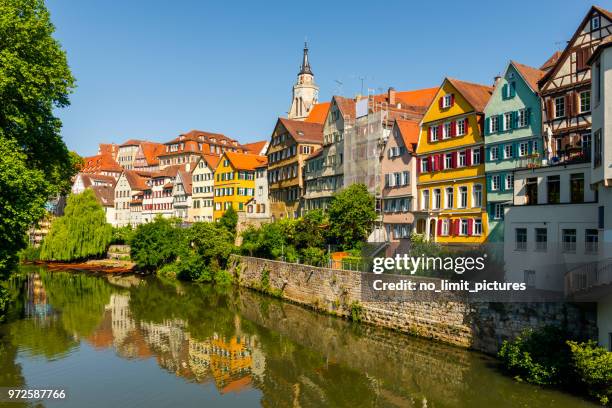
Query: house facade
[
  {"x": 130, "y": 184},
  {"x": 157, "y": 198},
  {"x": 202, "y": 189},
  {"x": 451, "y": 181},
  {"x": 146, "y": 158},
  {"x": 291, "y": 143},
  {"x": 235, "y": 181},
  {"x": 126, "y": 155},
  {"x": 324, "y": 169},
  {"x": 181, "y": 194},
  {"x": 566, "y": 90},
  {"x": 188, "y": 147},
  {"x": 513, "y": 139},
  {"x": 258, "y": 207}
]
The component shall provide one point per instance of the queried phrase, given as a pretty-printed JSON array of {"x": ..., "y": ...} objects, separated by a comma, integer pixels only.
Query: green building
[{"x": 513, "y": 138}]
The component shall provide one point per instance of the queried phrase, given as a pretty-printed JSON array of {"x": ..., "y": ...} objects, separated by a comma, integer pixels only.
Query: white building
[
  {"x": 551, "y": 227},
  {"x": 157, "y": 198},
  {"x": 202, "y": 188},
  {"x": 131, "y": 183},
  {"x": 181, "y": 193},
  {"x": 258, "y": 208}
]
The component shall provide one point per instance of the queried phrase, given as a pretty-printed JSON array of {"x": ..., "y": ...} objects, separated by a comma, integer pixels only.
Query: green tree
[
  {"x": 34, "y": 80},
  {"x": 309, "y": 231},
  {"x": 155, "y": 244},
  {"x": 351, "y": 215},
  {"x": 81, "y": 233},
  {"x": 229, "y": 220}
]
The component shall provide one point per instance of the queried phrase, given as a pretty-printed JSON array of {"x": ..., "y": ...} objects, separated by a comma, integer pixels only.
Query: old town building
[
  {"x": 188, "y": 147},
  {"x": 181, "y": 194},
  {"x": 131, "y": 183},
  {"x": 157, "y": 198},
  {"x": 146, "y": 158},
  {"x": 202, "y": 188}
]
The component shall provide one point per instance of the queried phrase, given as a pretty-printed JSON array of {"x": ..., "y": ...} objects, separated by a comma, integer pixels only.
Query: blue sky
[{"x": 154, "y": 69}]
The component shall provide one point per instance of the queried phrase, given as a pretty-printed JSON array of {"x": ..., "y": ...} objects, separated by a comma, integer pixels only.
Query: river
[{"x": 127, "y": 341}]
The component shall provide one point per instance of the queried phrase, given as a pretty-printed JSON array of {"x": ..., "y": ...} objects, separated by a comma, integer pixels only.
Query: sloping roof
[
  {"x": 346, "y": 106},
  {"x": 200, "y": 135},
  {"x": 415, "y": 98},
  {"x": 131, "y": 142},
  {"x": 186, "y": 179},
  {"x": 108, "y": 149},
  {"x": 151, "y": 152},
  {"x": 256, "y": 147},
  {"x": 477, "y": 95},
  {"x": 245, "y": 161},
  {"x": 550, "y": 62},
  {"x": 105, "y": 195},
  {"x": 100, "y": 162},
  {"x": 88, "y": 179},
  {"x": 603, "y": 11},
  {"x": 137, "y": 179},
  {"x": 530, "y": 75},
  {"x": 409, "y": 130},
  {"x": 169, "y": 171},
  {"x": 211, "y": 159},
  {"x": 315, "y": 154},
  {"x": 318, "y": 113},
  {"x": 303, "y": 132}
]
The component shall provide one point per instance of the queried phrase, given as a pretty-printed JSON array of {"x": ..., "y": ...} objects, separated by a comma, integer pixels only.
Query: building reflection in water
[{"x": 37, "y": 304}]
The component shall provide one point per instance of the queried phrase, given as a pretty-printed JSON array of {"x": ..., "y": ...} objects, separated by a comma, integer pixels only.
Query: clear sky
[{"x": 152, "y": 69}]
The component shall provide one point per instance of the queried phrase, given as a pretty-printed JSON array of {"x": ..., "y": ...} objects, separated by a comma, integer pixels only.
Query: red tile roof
[
  {"x": 245, "y": 161},
  {"x": 255, "y": 147},
  {"x": 131, "y": 142},
  {"x": 212, "y": 160},
  {"x": 530, "y": 75},
  {"x": 303, "y": 132},
  {"x": 346, "y": 106},
  {"x": 409, "y": 130},
  {"x": 201, "y": 136},
  {"x": 551, "y": 61},
  {"x": 318, "y": 113},
  {"x": 416, "y": 98},
  {"x": 477, "y": 95},
  {"x": 100, "y": 162},
  {"x": 315, "y": 154},
  {"x": 186, "y": 179},
  {"x": 151, "y": 152},
  {"x": 137, "y": 179},
  {"x": 105, "y": 195}
]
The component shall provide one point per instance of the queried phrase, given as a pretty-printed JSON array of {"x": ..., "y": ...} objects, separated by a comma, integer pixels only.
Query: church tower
[{"x": 305, "y": 91}]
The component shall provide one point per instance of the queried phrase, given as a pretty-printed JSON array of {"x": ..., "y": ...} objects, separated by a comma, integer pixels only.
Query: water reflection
[{"x": 234, "y": 342}]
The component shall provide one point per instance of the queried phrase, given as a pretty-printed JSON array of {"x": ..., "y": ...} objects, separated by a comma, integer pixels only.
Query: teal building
[{"x": 513, "y": 138}]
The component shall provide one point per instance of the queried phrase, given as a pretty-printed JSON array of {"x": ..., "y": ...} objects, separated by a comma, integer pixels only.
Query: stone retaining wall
[{"x": 443, "y": 317}]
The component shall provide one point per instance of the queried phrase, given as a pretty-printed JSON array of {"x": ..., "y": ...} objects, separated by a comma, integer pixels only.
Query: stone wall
[{"x": 444, "y": 317}]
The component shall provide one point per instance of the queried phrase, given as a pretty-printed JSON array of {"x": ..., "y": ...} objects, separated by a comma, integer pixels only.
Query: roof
[
  {"x": 105, "y": 195},
  {"x": 200, "y": 136},
  {"x": 315, "y": 154},
  {"x": 169, "y": 171},
  {"x": 151, "y": 152},
  {"x": 530, "y": 75},
  {"x": 186, "y": 179},
  {"x": 88, "y": 179},
  {"x": 600, "y": 47},
  {"x": 346, "y": 106},
  {"x": 137, "y": 179},
  {"x": 409, "y": 130},
  {"x": 211, "y": 159},
  {"x": 100, "y": 162},
  {"x": 245, "y": 161},
  {"x": 416, "y": 98},
  {"x": 477, "y": 95},
  {"x": 551, "y": 61},
  {"x": 108, "y": 148},
  {"x": 318, "y": 113},
  {"x": 303, "y": 132},
  {"x": 131, "y": 142},
  {"x": 256, "y": 147}
]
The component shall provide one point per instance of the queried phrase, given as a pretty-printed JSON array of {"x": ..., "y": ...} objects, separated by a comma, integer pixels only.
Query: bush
[
  {"x": 539, "y": 357},
  {"x": 224, "y": 278},
  {"x": 122, "y": 235},
  {"x": 593, "y": 367},
  {"x": 30, "y": 254},
  {"x": 155, "y": 244},
  {"x": 229, "y": 220},
  {"x": 315, "y": 256}
]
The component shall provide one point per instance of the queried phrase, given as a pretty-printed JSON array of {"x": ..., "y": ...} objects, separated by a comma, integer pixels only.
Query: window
[
  {"x": 436, "y": 199},
  {"x": 522, "y": 118},
  {"x": 559, "y": 107},
  {"x": 529, "y": 276},
  {"x": 494, "y": 153},
  {"x": 477, "y": 196},
  {"x": 448, "y": 161},
  {"x": 507, "y": 151},
  {"x": 523, "y": 149},
  {"x": 424, "y": 162},
  {"x": 521, "y": 239},
  {"x": 534, "y": 146},
  {"x": 591, "y": 241},
  {"x": 447, "y": 101},
  {"x": 425, "y": 200},
  {"x": 464, "y": 227},
  {"x": 445, "y": 227},
  {"x": 585, "y": 101},
  {"x": 531, "y": 191},
  {"x": 498, "y": 211},
  {"x": 553, "y": 189},
  {"x": 463, "y": 197},
  {"x": 494, "y": 124},
  {"x": 477, "y": 226},
  {"x": 507, "y": 120},
  {"x": 462, "y": 158},
  {"x": 405, "y": 178},
  {"x": 461, "y": 127},
  {"x": 434, "y": 133},
  {"x": 495, "y": 182},
  {"x": 595, "y": 23},
  {"x": 509, "y": 181},
  {"x": 569, "y": 240},
  {"x": 597, "y": 147},
  {"x": 449, "y": 198},
  {"x": 446, "y": 130},
  {"x": 541, "y": 237},
  {"x": 475, "y": 156},
  {"x": 577, "y": 187}
]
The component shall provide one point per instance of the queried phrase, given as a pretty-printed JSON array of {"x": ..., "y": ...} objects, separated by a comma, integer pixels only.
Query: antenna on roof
[{"x": 338, "y": 88}]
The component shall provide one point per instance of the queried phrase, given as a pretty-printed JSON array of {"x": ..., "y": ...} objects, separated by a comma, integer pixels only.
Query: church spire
[{"x": 305, "y": 69}]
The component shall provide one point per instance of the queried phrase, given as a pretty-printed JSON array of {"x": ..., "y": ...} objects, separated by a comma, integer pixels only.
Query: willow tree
[{"x": 82, "y": 232}]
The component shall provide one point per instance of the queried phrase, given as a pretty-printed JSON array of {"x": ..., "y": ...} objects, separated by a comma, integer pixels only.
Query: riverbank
[
  {"x": 446, "y": 318},
  {"x": 112, "y": 266}
]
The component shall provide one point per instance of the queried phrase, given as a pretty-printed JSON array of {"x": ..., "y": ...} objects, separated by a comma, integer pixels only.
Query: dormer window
[
  {"x": 447, "y": 101},
  {"x": 595, "y": 22}
]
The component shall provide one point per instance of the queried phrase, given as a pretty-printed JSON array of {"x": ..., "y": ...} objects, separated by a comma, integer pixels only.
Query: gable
[
  {"x": 511, "y": 83},
  {"x": 460, "y": 104}
]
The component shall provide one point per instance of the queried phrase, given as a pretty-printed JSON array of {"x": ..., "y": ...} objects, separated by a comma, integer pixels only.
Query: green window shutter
[
  {"x": 512, "y": 89},
  {"x": 505, "y": 91},
  {"x": 530, "y": 147},
  {"x": 502, "y": 182},
  {"x": 487, "y": 126},
  {"x": 528, "y": 113},
  {"x": 500, "y": 123}
]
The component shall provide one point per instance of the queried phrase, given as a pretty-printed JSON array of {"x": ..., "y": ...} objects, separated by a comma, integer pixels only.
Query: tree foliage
[
  {"x": 81, "y": 233},
  {"x": 351, "y": 215},
  {"x": 34, "y": 80},
  {"x": 155, "y": 244},
  {"x": 229, "y": 220}
]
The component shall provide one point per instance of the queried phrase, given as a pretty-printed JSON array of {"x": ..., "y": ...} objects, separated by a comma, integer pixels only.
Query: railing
[{"x": 588, "y": 276}]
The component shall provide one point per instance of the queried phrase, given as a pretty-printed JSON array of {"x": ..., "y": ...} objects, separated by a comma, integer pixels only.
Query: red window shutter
[
  {"x": 440, "y": 131},
  {"x": 470, "y": 226},
  {"x": 439, "y": 227},
  {"x": 549, "y": 109},
  {"x": 418, "y": 164},
  {"x": 429, "y": 134},
  {"x": 482, "y": 152},
  {"x": 569, "y": 111},
  {"x": 468, "y": 157},
  {"x": 452, "y": 100},
  {"x": 453, "y": 128},
  {"x": 440, "y": 102},
  {"x": 454, "y": 160},
  {"x": 440, "y": 158}
]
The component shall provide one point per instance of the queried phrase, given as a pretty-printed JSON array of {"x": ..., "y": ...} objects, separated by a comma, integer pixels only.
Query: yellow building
[
  {"x": 234, "y": 183},
  {"x": 451, "y": 174}
]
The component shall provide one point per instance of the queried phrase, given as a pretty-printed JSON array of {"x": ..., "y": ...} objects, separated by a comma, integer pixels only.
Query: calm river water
[{"x": 112, "y": 341}]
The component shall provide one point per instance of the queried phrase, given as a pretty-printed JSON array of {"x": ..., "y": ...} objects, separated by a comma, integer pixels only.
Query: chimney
[
  {"x": 496, "y": 79},
  {"x": 391, "y": 95}
]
